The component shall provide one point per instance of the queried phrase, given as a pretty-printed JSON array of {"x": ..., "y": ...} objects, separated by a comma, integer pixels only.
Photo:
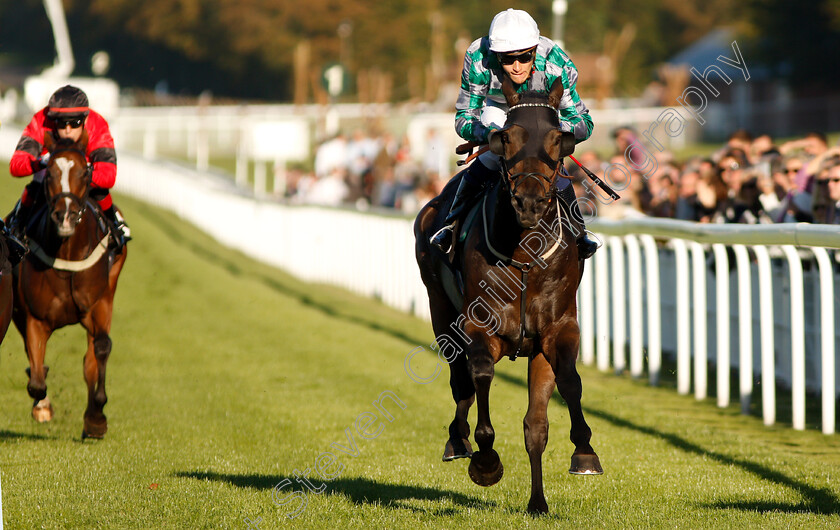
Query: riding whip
[{"x": 603, "y": 185}]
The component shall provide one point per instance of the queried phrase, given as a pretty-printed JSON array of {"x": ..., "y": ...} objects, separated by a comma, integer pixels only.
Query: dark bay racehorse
[
  {"x": 520, "y": 276},
  {"x": 69, "y": 276}
]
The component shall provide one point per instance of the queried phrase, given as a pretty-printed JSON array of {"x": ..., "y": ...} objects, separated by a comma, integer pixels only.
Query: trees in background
[{"x": 394, "y": 50}]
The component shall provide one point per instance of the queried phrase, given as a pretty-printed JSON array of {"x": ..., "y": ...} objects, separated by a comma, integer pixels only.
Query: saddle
[{"x": 452, "y": 273}]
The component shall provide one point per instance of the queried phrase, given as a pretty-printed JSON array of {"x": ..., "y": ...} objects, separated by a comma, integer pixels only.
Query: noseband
[{"x": 533, "y": 148}]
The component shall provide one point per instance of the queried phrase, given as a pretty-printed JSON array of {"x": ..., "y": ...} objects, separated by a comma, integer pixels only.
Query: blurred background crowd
[{"x": 749, "y": 179}]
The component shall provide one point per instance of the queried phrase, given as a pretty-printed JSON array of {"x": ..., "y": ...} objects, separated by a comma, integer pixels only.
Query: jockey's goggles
[
  {"x": 509, "y": 58},
  {"x": 74, "y": 123}
]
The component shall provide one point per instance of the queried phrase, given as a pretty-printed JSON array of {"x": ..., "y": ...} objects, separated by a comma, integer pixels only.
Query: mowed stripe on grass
[{"x": 228, "y": 377}]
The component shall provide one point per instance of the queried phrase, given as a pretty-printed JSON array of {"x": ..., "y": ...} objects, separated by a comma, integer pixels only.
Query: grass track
[{"x": 227, "y": 376}]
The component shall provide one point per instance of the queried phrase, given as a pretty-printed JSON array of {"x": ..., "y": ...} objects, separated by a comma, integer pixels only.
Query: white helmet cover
[{"x": 513, "y": 30}]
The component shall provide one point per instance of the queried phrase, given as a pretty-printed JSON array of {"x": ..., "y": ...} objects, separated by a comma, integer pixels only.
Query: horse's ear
[
  {"x": 509, "y": 91},
  {"x": 562, "y": 142},
  {"x": 556, "y": 93},
  {"x": 49, "y": 140},
  {"x": 567, "y": 143},
  {"x": 497, "y": 139}
]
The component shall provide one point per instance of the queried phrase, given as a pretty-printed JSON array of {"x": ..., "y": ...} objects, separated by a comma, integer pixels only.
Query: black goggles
[
  {"x": 74, "y": 123},
  {"x": 508, "y": 59}
]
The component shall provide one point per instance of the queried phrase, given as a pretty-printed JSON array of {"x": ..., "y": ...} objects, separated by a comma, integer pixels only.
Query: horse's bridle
[
  {"x": 514, "y": 180},
  {"x": 80, "y": 202}
]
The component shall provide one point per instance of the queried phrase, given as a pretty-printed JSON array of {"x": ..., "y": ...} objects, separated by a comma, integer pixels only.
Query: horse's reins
[{"x": 82, "y": 202}]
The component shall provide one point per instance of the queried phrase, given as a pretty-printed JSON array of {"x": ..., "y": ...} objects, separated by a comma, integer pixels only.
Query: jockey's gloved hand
[{"x": 40, "y": 163}]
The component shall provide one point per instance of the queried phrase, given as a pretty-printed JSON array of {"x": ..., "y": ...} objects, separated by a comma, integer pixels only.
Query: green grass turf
[{"x": 227, "y": 376}]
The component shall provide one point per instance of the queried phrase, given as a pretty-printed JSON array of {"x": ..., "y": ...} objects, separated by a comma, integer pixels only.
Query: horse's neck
[
  {"x": 504, "y": 231},
  {"x": 76, "y": 247}
]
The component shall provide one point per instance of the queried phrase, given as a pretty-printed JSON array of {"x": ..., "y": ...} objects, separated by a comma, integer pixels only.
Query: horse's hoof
[
  {"x": 95, "y": 427},
  {"x": 42, "y": 410},
  {"x": 586, "y": 465},
  {"x": 457, "y": 449},
  {"x": 537, "y": 506},
  {"x": 486, "y": 468}
]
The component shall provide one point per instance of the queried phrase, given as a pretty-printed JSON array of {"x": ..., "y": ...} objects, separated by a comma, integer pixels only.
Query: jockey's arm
[
  {"x": 101, "y": 152},
  {"x": 24, "y": 161},
  {"x": 471, "y": 98},
  {"x": 574, "y": 116}
]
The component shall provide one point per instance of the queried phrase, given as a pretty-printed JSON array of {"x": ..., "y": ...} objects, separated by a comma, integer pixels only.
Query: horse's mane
[
  {"x": 64, "y": 143},
  {"x": 532, "y": 96}
]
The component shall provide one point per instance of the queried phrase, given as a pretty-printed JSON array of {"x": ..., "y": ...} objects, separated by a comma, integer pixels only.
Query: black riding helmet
[{"x": 68, "y": 102}]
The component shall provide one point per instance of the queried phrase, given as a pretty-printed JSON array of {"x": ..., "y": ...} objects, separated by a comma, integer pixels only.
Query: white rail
[{"x": 789, "y": 352}]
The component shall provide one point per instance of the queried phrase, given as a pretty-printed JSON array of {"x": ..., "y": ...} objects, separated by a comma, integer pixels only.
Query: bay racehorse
[
  {"x": 520, "y": 273},
  {"x": 69, "y": 276}
]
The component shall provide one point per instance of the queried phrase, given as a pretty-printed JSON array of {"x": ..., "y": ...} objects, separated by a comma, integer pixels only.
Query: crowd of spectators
[
  {"x": 367, "y": 171},
  {"x": 748, "y": 180}
]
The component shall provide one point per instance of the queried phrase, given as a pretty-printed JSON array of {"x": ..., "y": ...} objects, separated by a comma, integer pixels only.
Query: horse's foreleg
[
  {"x": 485, "y": 466},
  {"x": 97, "y": 323},
  {"x": 584, "y": 459},
  {"x": 35, "y": 341},
  {"x": 463, "y": 392},
  {"x": 540, "y": 388}
]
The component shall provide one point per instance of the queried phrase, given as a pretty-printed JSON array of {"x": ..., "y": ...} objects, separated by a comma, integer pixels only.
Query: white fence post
[
  {"x": 768, "y": 361},
  {"x": 701, "y": 350},
  {"x": 654, "y": 309},
  {"x": 586, "y": 305},
  {"x": 745, "y": 341},
  {"x": 722, "y": 329},
  {"x": 618, "y": 304},
  {"x": 634, "y": 293},
  {"x": 797, "y": 332},
  {"x": 602, "y": 309},
  {"x": 828, "y": 335},
  {"x": 683, "y": 318}
]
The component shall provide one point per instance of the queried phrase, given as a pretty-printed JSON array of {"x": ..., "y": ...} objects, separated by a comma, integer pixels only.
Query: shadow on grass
[
  {"x": 357, "y": 490},
  {"x": 172, "y": 231},
  {"x": 11, "y": 435},
  {"x": 815, "y": 500}
]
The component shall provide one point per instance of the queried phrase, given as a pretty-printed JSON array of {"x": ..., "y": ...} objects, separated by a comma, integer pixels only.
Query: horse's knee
[
  {"x": 482, "y": 371},
  {"x": 536, "y": 433},
  {"x": 100, "y": 398},
  {"x": 102, "y": 347}
]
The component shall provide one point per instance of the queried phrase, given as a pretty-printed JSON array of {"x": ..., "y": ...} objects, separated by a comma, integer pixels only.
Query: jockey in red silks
[{"x": 66, "y": 115}]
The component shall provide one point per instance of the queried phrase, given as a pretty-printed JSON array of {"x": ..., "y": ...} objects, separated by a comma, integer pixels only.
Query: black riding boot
[
  {"x": 122, "y": 234},
  {"x": 18, "y": 220},
  {"x": 14, "y": 246},
  {"x": 473, "y": 181},
  {"x": 586, "y": 247}
]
